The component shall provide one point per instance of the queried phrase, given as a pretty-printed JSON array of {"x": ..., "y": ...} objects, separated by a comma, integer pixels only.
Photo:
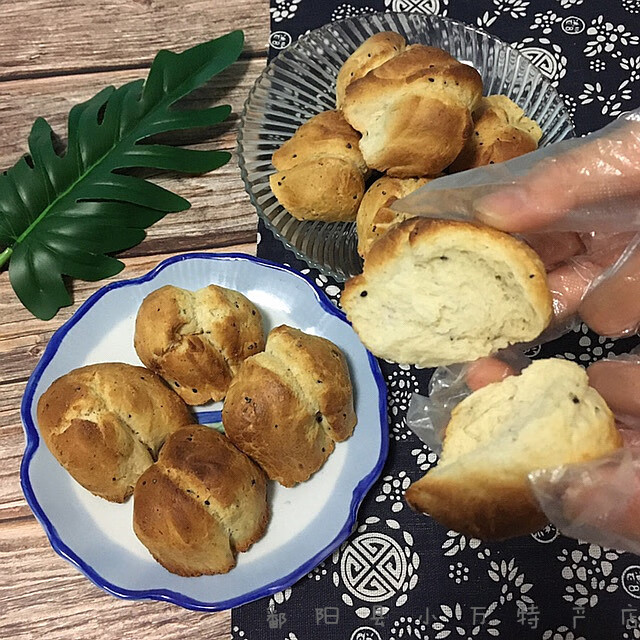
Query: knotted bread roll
[
  {"x": 373, "y": 52},
  {"x": 501, "y": 131},
  {"x": 413, "y": 111},
  {"x": 546, "y": 417},
  {"x": 288, "y": 405},
  {"x": 196, "y": 340},
  {"x": 320, "y": 170},
  {"x": 437, "y": 292},
  {"x": 106, "y": 422},
  {"x": 375, "y": 217},
  {"x": 202, "y": 502}
]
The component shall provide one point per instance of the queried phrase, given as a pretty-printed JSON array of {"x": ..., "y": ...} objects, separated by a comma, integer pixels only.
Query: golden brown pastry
[
  {"x": 288, "y": 405},
  {"x": 375, "y": 217},
  {"x": 196, "y": 340},
  {"x": 373, "y": 52},
  {"x": 320, "y": 170},
  {"x": 106, "y": 422},
  {"x": 200, "y": 504},
  {"x": 501, "y": 132},
  {"x": 413, "y": 111}
]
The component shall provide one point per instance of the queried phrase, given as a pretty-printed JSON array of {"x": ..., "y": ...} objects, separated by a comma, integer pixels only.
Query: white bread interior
[{"x": 437, "y": 292}]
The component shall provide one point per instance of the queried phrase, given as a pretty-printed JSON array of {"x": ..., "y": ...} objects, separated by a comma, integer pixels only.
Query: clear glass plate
[{"x": 300, "y": 82}]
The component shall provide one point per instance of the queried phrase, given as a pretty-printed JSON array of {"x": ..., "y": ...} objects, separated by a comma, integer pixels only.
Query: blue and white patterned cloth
[{"x": 401, "y": 575}]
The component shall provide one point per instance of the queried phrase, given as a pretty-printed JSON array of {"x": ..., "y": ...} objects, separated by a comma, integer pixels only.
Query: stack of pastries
[
  {"x": 408, "y": 112},
  {"x": 200, "y": 497}
]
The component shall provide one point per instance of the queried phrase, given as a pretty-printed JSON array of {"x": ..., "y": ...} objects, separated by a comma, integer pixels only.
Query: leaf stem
[{"x": 5, "y": 255}]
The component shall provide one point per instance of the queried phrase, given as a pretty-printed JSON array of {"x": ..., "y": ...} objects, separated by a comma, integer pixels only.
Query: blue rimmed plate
[{"x": 308, "y": 522}]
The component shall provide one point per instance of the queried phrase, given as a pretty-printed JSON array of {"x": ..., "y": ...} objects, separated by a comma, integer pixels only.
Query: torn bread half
[
  {"x": 436, "y": 292},
  {"x": 545, "y": 417}
]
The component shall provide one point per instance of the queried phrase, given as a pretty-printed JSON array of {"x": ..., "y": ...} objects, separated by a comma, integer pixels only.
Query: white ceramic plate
[{"x": 308, "y": 522}]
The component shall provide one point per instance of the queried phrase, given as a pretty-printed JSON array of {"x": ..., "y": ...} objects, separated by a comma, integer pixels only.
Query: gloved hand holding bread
[{"x": 523, "y": 449}]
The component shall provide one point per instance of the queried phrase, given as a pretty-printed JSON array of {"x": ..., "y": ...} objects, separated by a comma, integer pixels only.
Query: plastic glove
[{"x": 577, "y": 204}]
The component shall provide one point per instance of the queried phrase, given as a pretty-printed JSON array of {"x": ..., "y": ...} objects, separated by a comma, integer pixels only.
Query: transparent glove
[
  {"x": 577, "y": 203},
  {"x": 597, "y": 501}
]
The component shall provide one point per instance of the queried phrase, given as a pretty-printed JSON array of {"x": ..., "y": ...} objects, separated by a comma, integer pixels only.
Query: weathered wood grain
[
  {"x": 42, "y": 596},
  {"x": 19, "y": 355},
  {"x": 45, "y": 37},
  {"x": 220, "y": 214},
  {"x": 52, "y": 98},
  {"x": 12, "y": 502}
]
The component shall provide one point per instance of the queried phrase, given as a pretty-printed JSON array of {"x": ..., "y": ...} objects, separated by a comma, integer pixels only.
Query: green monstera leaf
[{"x": 61, "y": 213}]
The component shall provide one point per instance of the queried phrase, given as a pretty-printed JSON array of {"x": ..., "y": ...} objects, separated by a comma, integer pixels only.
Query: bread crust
[
  {"x": 196, "y": 340},
  {"x": 478, "y": 506},
  {"x": 320, "y": 170},
  {"x": 393, "y": 256},
  {"x": 325, "y": 134},
  {"x": 106, "y": 422},
  {"x": 289, "y": 405},
  {"x": 375, "y": 217},
  {"x": 373, "y": 52},
  {"x": 200, "y": 504},
  {"x": 480, "y": 487},
  {"x": 326, "y": 188},
  {"x": 414, "y": 111},
  {"x": 501, "y": 132}
]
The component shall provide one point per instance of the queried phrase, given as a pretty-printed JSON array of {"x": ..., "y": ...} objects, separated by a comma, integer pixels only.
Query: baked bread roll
[
  {"x": 373, "y": 52},
  {"x": 320, "y": 170},
  {"x": 501, "y": 131},
  {"x": 546, "y": 417},
  {"x": 436, "y": 292},
  {"x": 200, "y": 504},
  {"x": 375, "y": 217},
  {"x": 196, "y": 340},
  {"x": 413, "y": 111},
  {"x": 106, "y": 422},
  {"x": 288, "y": 405}
]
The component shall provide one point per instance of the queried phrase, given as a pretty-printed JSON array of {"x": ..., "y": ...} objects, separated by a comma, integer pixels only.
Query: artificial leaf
[{"x": 61, "y": 213}]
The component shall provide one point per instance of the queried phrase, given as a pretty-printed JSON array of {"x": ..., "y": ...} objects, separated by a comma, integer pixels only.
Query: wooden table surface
[{"x": 54, "y": 53}]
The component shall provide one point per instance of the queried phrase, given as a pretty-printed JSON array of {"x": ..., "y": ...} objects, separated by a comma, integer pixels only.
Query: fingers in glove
[
  {"x": 586, "y": 182},
  {"x": 611, "y": 307},
  {"x": 618, "y": 382},
  {"x": 598, "y": 501}
]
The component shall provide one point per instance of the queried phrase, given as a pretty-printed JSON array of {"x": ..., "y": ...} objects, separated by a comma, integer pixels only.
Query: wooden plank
[
  {"x": 12, "y": 502},
  {"x": 18, "y": 356},
  {"x": 220, "y": 214},
  {"x": 52, "y": 98},
  {"x": 42, "y": 596},
  {"x": 45, "y": 37}
]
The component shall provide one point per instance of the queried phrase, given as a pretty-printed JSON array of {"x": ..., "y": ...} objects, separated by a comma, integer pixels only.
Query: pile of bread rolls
[
  {"x": 409, "y": 112},
  {"x": 200, "y": 497}
]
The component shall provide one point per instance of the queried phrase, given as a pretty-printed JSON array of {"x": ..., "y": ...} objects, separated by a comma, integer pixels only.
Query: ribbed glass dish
[{"x": 300, "y": 82}]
